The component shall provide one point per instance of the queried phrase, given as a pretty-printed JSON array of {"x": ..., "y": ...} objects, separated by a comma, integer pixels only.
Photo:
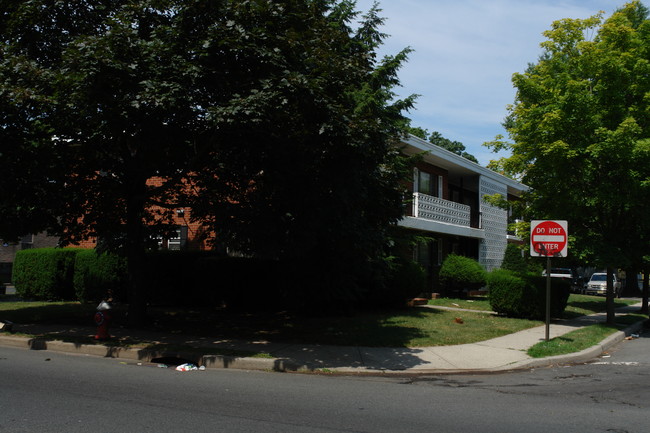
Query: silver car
[{"x": 597, "y": 285}]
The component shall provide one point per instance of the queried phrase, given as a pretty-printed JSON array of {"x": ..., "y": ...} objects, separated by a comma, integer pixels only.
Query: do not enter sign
[{"x": 548, "y": 238}]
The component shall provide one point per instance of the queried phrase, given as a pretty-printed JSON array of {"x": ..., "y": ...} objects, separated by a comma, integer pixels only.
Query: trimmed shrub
[
  {"x": 513, "y": 260},
  {"x": 524, "y": 295},
  {"x": 507, "y": 293},
  {"x": 45, "y": 273},
  {"x": 459, "y": 273},
  {"x": 96, "y": 274}
]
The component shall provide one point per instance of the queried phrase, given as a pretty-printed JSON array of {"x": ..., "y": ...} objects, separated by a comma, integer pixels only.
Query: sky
[{"x": 465, "y": 52}]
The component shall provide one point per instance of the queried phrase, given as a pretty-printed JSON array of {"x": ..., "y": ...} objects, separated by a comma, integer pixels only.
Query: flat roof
[{"x": 460, "y": 165}]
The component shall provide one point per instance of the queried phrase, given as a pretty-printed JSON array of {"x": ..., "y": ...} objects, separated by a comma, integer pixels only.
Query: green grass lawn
[
  {"x": 578, "y": 305},
  {"x": 44, "y": 312},
  {"x": 412, "y": 328},
  {"x": 400, "y": 328},
  {"x": 415, "y": 327},
  {"x": 583, "y": 338},
  {"x": 474, "y": 303}
]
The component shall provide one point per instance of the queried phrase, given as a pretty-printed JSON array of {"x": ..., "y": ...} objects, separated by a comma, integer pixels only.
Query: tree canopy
[
  {"x": 580, "y": 130},
  {"x": 279, "y": 115}
]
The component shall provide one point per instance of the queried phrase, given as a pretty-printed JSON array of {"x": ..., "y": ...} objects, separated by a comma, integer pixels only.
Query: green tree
[
  {"x": 418, "y": 132},
  {"x": 513, "y": 259},
  {"x": 306, "y": 171},
  {"x": 453, "y": 146},
  {"x": 580, "y": 135},
  {"x": 108, "y": 101},
  {"x": 277, "y": 112}
]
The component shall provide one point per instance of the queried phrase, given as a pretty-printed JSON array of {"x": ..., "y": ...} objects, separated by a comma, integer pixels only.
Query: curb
[
  {"x": 577, "y": 357},
  {"x": 148, "y": 355}
]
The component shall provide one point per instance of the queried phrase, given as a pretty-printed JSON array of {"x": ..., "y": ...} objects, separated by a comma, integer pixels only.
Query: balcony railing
[{"x": 438, "y": 209}]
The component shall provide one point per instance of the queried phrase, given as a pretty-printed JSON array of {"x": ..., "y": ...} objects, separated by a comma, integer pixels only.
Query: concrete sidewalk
[{"x": 498, "y": 354}]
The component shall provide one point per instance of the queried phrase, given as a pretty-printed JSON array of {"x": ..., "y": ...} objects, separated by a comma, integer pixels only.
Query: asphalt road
[{"x": 44, "y": 391}]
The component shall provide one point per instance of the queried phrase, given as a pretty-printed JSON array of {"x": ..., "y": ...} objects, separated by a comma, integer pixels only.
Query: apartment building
[{"x": 447, "y": 206}]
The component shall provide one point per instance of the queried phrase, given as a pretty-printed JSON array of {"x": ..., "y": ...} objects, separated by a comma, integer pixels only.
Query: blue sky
[{"x": 465, "y": 52}]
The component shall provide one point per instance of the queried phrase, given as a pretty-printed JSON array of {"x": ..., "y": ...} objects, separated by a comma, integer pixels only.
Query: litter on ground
[{"x": 187, "y": 367}]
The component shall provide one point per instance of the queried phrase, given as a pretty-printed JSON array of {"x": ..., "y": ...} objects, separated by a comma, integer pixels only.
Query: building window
[
  {"x": 429, "y": 253},
  {"x": 423, "y": 254},
  {"x": 27, "y": 242},
  {"x": 427, "y": 183},
  {"x": 176, "y": 241},
  {"x": 424, "y": 183}
]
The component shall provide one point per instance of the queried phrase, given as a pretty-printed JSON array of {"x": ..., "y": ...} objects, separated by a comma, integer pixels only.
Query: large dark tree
[
  {"x": 307, "y": 170},
  {"x": 278, "y": 114}
]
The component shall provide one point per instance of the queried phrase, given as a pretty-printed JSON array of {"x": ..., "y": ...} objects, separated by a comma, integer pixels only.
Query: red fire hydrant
[{"x": 103, "y": 320}]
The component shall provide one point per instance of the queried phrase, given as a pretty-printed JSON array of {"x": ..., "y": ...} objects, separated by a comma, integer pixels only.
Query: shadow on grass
[
  {"x": 44, "y": 312},
  {"x": 367, "y": 328},
  {"x": 223, "y": 336},
  {"x": 586, "y": 307}
]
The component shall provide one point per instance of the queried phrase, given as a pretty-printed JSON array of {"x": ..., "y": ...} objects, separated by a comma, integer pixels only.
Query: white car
[
  {"x": 569, "y": 275},
  {"x": 597, "y": 285}
]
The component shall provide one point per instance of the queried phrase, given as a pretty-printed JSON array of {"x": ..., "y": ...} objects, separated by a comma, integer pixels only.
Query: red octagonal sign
[{"x": 548, "y": 238}]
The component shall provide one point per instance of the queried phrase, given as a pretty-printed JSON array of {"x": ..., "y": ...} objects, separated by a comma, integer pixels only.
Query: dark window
[
  {"x": 429, "y": 184},
  {"x": 27, "y": 242},
  {"x": 176, "y": 241}
]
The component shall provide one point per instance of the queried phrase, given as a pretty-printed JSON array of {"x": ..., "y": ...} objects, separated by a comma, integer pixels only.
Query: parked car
[
  {"x": 597, "y": 284},
  {"x": 568, "y": 274}
]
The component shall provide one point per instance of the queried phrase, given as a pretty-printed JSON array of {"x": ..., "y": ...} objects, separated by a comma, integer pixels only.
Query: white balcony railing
[{"x": 438, "y": 209}]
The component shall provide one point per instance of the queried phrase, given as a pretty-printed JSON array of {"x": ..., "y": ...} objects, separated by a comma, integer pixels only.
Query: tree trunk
[
  {"x": 135, "y": 251},
  {"x": 611, "y": 316},
  {"x": 137, "y": 311},
  {"x": 631, "y": 287},
  {"x": 644, "y": 301}
]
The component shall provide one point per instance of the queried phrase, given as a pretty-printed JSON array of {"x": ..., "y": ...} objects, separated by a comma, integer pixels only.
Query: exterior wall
[
  {"x": 8, "y": 252},
  {"x": 196, "y": 237},
  {"x": 495, "y": 224}
]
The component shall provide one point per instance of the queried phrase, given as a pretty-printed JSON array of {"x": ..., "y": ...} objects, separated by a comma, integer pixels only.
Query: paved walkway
[{"x": 498, "y": 354}]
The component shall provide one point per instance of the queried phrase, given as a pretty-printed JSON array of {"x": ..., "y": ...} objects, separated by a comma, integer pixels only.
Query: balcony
[
  {"x": 437, "y": 215},
  {"x": 438, "y": 209}
]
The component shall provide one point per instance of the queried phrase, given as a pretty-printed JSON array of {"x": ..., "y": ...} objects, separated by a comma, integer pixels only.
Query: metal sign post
[
  {"x": 548, "y": 239},
  {"x": 547, "y": 322}
]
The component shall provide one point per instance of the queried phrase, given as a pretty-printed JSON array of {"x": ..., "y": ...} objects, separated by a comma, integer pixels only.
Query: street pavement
[{"x": 499, "y": 354}]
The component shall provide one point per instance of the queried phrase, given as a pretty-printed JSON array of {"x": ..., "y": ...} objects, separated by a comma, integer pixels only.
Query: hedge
[
  {"x": 45, "y": 273},
  {"x": 206, "y": 280},
  {"x": 97, "y": 274},
  {"x": 524, "y": 295}
]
